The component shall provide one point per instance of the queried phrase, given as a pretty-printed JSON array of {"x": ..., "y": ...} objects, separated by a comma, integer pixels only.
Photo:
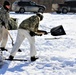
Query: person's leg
[
  {"x": 32, "y": 43},
  {"x": 0, "y": 34},
  {"x": 33, "y": 51},
  {"x": 1, "y": 54},
  {"x": 4, "y": 37},
  {"x": 18, "y": 42},
  {"x": 32, "y": 46}
]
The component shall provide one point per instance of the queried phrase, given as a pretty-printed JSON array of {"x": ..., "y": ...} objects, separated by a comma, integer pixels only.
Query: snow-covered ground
[{"x": 56, "y": 56}]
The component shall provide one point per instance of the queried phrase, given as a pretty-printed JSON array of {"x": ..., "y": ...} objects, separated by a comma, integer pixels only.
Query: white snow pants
[
  {"x": 3, "y": 36},
  {"x": 3, "y": 41},
  {"x": 20, "y": 37}
]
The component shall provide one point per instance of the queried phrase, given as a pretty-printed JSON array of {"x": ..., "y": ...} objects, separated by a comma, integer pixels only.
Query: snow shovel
[{"x": 57, "y": 31}]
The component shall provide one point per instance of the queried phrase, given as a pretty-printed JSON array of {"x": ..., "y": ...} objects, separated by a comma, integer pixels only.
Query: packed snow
[{"x": 56, "y": 56}]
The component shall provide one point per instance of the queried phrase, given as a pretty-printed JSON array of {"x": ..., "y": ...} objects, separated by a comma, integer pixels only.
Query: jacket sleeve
[{"x": 4, "y": 16}]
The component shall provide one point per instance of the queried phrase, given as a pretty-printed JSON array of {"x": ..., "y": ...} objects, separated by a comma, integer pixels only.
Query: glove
[
  {"x": 45, "y": 32},
  {"x": 3, "y": 24},
  {"x": 32, "y": 33},
  {"x": 39, "y": 34}
]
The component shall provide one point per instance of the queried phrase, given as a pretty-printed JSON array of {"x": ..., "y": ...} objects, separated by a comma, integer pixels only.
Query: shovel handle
[{"x": 10, "y": 37}]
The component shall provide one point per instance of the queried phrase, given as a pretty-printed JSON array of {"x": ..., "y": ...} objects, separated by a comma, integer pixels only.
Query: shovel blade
[{"x": 58, "y": 31}]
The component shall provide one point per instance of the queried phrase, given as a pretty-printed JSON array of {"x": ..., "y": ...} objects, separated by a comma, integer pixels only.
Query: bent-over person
[{"x": 28, "y": 29}]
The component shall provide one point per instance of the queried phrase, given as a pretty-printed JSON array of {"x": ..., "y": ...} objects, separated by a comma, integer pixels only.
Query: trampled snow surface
[{"x": 56, "y": 56}]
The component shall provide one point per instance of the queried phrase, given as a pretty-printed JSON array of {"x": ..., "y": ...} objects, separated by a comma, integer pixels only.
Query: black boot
[
  {"x": 19, "y": 50},
  {"x": 34, "y": 58},
  {"x": 11, "y": 57},
  {"x": 3, "y": 49}
]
